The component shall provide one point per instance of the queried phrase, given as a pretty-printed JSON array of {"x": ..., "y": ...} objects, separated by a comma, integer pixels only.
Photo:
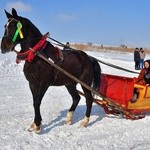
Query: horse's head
[
  {"x": 11, "y": 37},
  {"x": 17, "y": 31}
]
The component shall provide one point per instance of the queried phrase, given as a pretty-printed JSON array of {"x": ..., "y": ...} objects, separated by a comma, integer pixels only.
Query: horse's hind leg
[
  {"x": 76, "y": 98},
  {"x": 89, "y": 101}
]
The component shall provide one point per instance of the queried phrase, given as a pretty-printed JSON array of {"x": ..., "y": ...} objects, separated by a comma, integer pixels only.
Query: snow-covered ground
[{"x": 104, "y": 132}]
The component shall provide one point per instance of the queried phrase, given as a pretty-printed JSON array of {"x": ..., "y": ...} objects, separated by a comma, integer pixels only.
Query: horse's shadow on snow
[{"x": 78, "y": 116}]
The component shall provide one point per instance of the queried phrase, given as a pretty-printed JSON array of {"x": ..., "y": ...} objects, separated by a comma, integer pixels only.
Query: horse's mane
[{"x": 35, "y": 30}]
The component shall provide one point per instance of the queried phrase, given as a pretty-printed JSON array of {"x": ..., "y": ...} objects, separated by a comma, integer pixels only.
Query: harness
[{"x": 30, "y": 54}]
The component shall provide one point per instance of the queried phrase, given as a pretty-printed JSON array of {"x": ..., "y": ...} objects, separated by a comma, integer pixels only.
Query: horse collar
[{"x": 30, "y": 54}]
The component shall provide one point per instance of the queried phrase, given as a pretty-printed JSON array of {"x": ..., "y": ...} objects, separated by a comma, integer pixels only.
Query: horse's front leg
[{"x": 38, "y": 90}]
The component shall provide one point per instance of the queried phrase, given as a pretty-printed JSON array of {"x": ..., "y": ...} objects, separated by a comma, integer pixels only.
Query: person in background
[
  {"x": 67, "y": 46},
  {"x": 143, "y": 79},
  {"x": 142, "y": 56},
  {"x": 137, "y": 59}
]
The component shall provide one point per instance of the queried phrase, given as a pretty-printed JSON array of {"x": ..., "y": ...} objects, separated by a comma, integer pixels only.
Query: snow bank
[
  {"x": 10, "y": 68},
  {"x": 105, "y": 132}
]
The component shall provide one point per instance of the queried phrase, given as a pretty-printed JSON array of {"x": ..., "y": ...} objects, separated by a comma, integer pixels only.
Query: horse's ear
[
  {"x": 14, "y": 13},
  {"x": 8, "y": 15}
]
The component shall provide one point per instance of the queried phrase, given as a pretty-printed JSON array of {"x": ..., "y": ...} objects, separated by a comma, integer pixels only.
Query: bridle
[{"x": 17, "y": 32}]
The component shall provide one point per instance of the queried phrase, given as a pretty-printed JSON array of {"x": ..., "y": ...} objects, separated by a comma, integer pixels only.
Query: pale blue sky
[{"x": 111, "y": 22}]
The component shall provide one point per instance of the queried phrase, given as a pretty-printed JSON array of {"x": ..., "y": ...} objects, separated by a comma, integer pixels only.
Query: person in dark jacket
[
  {"x": 137, "y": 59},
  {"x": 67, "y": 46}
]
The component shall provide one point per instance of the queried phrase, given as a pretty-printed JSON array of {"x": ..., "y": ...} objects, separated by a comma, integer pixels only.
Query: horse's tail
[{"x": 97, "y": 73}]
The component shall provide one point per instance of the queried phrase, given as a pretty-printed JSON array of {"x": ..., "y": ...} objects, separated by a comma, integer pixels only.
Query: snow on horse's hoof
[
  {"x": 31, "y": 128},
  {"x": 69, "y": 118},
  {"x": 68, "y": 122},
  {"x": 85, "y": 122},
  {"x": 35, "y": 128},
  {"x": 38, "y": 129}
]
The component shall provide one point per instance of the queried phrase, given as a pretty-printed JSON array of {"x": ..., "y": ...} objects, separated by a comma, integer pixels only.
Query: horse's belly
[{"x": 38, "y": 73}]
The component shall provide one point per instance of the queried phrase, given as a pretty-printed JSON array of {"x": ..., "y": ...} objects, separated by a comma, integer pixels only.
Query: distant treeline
[{"x": 92, "y": 47}]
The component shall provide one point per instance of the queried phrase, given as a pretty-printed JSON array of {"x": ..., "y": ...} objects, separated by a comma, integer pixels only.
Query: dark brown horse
[{"x": 41, "y": 75}]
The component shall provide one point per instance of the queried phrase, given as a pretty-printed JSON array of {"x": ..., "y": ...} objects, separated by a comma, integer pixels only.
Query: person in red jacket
[
  {"x": 143, "y": 79},
  {"x": 144, "y": 76}
]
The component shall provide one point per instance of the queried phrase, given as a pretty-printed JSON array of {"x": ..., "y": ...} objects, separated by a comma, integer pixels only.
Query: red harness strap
[
  {"x": 30, "y": 54},
  {"x": 58, "y": 53}
]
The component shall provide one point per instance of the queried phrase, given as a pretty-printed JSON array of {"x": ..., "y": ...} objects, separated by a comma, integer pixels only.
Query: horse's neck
[
  {"x": 30, "y": 42},
  {"x": 33, "y": 35},
  {"x": 26, "y": 46},
  {"x": 50, "y": 51}
]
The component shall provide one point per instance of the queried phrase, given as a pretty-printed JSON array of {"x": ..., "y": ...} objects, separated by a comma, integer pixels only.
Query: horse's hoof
[
  {"x": 35, "y": 128},
  {"x": 38, "y": 129},
  {"x": 31, "y": 128},
  {"x": 85, "y": 122},
  {"x": 68, "y": 122},
  {"x": 69, "y": 118}
]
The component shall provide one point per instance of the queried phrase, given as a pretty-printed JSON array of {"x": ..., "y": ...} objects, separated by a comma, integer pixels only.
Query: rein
[
  {"x": 30, "y": 54},
  {"x": 108, "y": 64}
]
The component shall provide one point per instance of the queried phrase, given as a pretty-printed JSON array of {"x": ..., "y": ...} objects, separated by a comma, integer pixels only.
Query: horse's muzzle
[{"x": 6, "y": 45}]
